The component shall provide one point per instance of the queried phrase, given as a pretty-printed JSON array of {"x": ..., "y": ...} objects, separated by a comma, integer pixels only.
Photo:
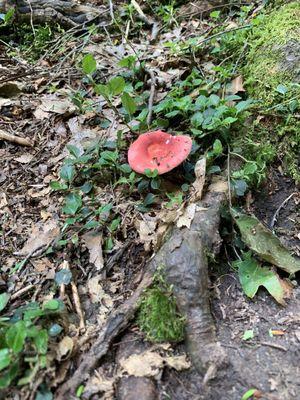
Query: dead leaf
[
  {"x": 42, "y": 264},
  {"x": 41, "y": 235},
  {"x": 147, "y": 363},
  {"x": 24, "y": 159},
  {"x": 93, "y": 241},
  {"x": 187, "y": 217},
  {"x": 237, "y": 85},
  {"x": 179, "y": 363},
  {"x": 97, "y": 293},
  {"x": 198, "y": 185},
  {"x": 65, "y": 347},
  {"x": 54, "y": 104}
]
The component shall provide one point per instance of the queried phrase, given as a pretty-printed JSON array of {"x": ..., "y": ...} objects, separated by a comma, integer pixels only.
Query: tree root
[{"x": 184, "y": 257}]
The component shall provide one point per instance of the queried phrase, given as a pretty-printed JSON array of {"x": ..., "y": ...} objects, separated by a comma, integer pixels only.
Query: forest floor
[{"x": 78, "y": 227}]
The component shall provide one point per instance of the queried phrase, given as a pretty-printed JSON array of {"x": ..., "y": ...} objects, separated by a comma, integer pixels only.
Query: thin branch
[{"x": 14, "y": 139}]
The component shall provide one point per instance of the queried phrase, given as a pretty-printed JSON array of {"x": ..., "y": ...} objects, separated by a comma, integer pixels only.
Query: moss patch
[
  {"x": 272, "y": 59},
  {"x": 158, "y": 317}
]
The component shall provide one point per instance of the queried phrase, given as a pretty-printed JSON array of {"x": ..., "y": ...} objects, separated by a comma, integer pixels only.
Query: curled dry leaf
[
  {"x": 237, "y": 85},
  {"x": 198, "y": 185},
  {"x": 93, "y": 241},
  {"x": 187, "y": 217},
  {"x": 64, "y": 348}
]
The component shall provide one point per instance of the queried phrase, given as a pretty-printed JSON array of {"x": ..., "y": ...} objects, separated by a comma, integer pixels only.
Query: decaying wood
[
  {"x": 184, "y": 258},
  {"x": 65, "y": 12},
  {"x": 14, "y": 139}
]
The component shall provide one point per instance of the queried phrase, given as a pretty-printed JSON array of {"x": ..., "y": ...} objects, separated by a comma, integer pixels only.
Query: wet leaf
[{"x": 263, "y": 242}]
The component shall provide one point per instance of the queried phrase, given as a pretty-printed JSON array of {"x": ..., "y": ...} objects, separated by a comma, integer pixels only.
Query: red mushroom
[{"x": 158, "y": 150}]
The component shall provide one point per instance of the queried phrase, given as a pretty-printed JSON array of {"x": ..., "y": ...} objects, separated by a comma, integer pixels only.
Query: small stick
[
  {"x": 15, "y": 139},
  {"x": 274, "y": 218},
  {"x": 18, "y": 293},
  {"x": 152, "y": 94},
  {"x": 274, "y": 345},
  {"x": 78, "y": 306}
]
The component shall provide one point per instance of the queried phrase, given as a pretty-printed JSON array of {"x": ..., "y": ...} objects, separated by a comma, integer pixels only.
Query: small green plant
[
  {"x": 24, "y": 340},
  {"x": 158, "y": 316}
]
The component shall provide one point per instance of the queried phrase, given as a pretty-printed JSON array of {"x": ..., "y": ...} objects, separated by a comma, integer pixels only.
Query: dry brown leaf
[
  {"x": 237, "y": 85},
  {"x": 41, "y": 235},
  {"x": 64, "y": 348},
  {"x": 24, "y": 159},
  {"x": 147, "y": 363},
  {"x": 187, "y": 217},
  {"x": 179, "y": 363},
  {"x": 198, "y": 185},
  {"x": 93, "y": 241},
  {"x": 42, "y": 264}
]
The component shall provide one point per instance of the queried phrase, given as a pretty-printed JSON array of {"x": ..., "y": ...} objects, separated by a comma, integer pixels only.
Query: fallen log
[{"x": 67, "y": 13}]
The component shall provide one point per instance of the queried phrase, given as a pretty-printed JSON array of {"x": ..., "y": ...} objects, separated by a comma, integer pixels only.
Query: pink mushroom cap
[{"x": 158, "y": 150}]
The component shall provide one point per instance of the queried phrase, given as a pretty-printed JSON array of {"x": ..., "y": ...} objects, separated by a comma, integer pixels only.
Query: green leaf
[
  {"x": 248, "y": 334},
  {"x": 102, "y": 89},
  {"x": 248, "y": 394},
  {"x": 55, "y": 185},
  {"x": 41, "y": 341},
  {"x": 263, "y": 242},
  {"x": 74, "y": 150},
  {"x": 114, "y": 224},
  {"x": 252, "y": 275},
  {"x": 55, "y": 330},
  {"x": 282, "y": 89},
  {"x": 127, "y": 62},
  {"x": 67, "y": 173},
  {"x": 217, "y": 147},
  {"x": 4, "y": 297},
  {"x": 52, "y": 305},
  {"x": 72, "y": 204},
  {"x": 5, "y": 358},
  {"x": 243, "y": 105},
  {"x": 63, "y": 277},
  {"x": 239, "y": 186},
  {"x": 128, "y": 103},
  {"x": 8, "y": 376},
  {"x": 89, "y": 64},
  {"x": 197, "y": 119},
  {"x": 116, "y": 85},
  {"x": 15, "y": 336},
  {"x": 149, "y": 199}
]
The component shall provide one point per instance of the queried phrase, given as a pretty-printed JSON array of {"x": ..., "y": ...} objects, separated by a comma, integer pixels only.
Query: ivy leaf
[
  {"x": 116, "y": 85},
  {"x": 5, "y": 358},
  {"x": 15, "y": 336},
  {"x": 128, "y": 103},
  {"x": 72, "y": 204},
  {"x": 282, "y": 89},
  {"x": 4, "y": 297},
  {"x": 197, "y": 119},
  {"x": 89, "y": 64},
  {"x": 252, "y": 275},
  {"x": 67, "y": 173}
]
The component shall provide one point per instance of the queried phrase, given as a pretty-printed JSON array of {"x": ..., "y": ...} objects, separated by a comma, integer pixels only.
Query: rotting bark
[
  {"x": 65, "y": 12},
  {"x": 184, "y": 258}
]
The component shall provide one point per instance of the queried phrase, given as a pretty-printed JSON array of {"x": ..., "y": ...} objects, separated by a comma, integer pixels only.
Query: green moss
[
  {"x": 158, "y": 317},
  {"x": 266, "y": 66}
]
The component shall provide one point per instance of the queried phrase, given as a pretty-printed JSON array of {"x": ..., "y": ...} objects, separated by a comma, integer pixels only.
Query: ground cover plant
[{"x": 86, "y": 304}]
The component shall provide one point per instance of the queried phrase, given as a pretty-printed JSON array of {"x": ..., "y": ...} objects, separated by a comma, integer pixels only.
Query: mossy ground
[
  {"x": 158, "y": 316},
  {"x": 266, "y": 67}
]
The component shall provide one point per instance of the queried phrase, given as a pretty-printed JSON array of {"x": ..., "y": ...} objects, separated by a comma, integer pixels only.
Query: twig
[
  {"x": 18, "y": 293},
  {"x": 152, "y": 94},
  {"x": 111, "y": 10},
  {"x": 113, "y": 327},
  {"x": 31, "y": 18},
  {"x": 14, "y": 139},
  {"x": 274, "y": 218},
  {"x": 78, "y": 306},
  {"x": 274, "y": 345},
  {"x": 223, "y": 33}
]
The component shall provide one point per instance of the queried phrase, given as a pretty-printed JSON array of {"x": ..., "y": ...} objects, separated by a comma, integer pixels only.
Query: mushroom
[{"x": 158, "y": 150}]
